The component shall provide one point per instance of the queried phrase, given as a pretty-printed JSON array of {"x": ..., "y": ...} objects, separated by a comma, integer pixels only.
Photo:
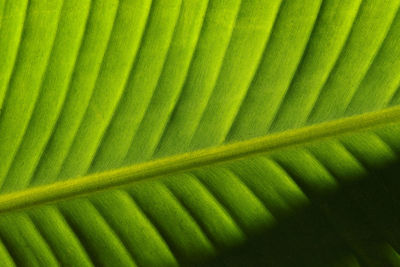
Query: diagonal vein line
[
  {"x": 14, "y": 65},
  {"x": 376, "y": 54},
  {"x": 335, "y": 62},
  {"x": 68, "y": 89},
  {"x": 299, "y": 65},
  {"x": 36, "y": 96},
  {"x": 96, "y": 182},
  {"x": 255, "y": 74}
]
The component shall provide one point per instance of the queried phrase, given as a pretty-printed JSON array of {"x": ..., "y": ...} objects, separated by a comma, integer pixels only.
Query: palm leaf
[{"x": 195, "y": 132}]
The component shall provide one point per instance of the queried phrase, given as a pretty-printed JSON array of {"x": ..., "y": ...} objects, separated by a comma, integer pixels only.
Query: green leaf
[{"x": 199, "y": 133}]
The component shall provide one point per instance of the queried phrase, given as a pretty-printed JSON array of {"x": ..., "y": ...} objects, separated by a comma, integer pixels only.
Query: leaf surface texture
[{"x": 90, "y": 86}]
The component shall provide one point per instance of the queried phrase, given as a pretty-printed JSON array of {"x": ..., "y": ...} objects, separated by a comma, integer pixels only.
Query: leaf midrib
[{"x": 82, "y": 186}]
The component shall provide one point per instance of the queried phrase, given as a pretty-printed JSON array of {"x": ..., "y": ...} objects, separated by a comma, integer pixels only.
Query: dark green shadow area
[{"x": 359, "y": 225}]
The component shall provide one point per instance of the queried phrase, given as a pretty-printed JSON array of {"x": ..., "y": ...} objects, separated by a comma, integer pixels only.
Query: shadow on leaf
[{"x": 356, "y": 226}]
